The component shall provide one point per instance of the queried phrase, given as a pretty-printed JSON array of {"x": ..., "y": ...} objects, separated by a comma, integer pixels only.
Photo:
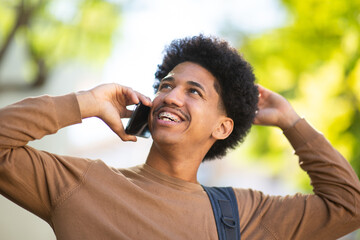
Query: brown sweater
[{"x": 84, "y": 199}]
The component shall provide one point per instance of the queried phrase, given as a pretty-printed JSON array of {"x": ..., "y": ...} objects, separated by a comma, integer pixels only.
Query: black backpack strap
[{"x": 224, "y": 205}]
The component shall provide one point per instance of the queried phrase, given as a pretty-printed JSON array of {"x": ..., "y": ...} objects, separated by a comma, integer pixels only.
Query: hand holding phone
[{"x": 138, "y": 122}]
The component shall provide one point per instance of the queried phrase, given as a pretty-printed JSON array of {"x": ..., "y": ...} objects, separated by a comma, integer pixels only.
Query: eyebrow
[{"x": 192, "y": 83}]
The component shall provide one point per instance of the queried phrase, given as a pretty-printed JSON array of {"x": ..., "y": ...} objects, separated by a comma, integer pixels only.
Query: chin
[{"x": 165, "y": 138}]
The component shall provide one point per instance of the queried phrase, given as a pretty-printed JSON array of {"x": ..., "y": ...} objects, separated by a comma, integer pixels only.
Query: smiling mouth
[
  {"x": 167, "y": 116},
  {"x": 170, "y": 114}
]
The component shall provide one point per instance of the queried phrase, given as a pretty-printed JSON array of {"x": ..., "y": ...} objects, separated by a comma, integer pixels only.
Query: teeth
[{"x": 166, "y": 116}]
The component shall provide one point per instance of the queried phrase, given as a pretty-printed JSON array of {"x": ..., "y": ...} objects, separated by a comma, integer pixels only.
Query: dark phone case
[{"x": 138, "y": 123}]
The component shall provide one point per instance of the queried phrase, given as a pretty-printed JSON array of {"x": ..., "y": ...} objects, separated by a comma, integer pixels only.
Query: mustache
[{"x": 182, "y": 113}]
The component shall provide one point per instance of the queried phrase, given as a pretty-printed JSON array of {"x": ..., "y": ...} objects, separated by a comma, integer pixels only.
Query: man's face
[{"x": 186, "y": 107}]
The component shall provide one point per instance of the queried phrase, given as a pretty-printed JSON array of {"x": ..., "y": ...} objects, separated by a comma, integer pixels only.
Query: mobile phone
[{"x": 138, "y": 122}]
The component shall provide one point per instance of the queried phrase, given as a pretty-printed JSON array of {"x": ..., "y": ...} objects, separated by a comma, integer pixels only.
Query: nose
[{"x": 174, "y": 97}]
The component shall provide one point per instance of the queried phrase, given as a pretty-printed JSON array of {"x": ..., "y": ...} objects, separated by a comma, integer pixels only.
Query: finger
[
  {"x": 134, "y": 97},
  {"x": 120, "y": 131},
  {"x": 257, "y": 120},
  {"x": 122, "y": 134},
  {"x": 263, "y": 92},
  {"x": 261, "y": 102},
  {"x": 260, "y": 89},
  {"x": 126, "y": 137},
  {"x": 144, "y": 99},
  {"x": 117, "y": 127},
  {"x": 127, "y": 113},
  {"x": 130, "y": 96}
]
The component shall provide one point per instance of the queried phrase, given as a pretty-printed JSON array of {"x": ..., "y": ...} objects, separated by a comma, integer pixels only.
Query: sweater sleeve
[
  {"x": 37, "y": 180},
  {"x": 336, "y": 187},
  {"x": 332, "y": 211}
]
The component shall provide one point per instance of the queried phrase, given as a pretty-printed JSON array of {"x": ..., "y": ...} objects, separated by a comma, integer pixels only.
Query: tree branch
[{"x": 22, "y": 17}]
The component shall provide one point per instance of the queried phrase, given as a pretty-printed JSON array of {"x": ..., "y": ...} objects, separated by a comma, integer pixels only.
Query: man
[{"x": 205, "y": 103}]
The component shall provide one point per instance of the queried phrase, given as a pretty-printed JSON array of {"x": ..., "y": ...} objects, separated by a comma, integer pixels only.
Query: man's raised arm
[
  {"x": 33, "y": 118},
  {"x": 34, "y": 179},
  {"x": 334, "y": 208}
]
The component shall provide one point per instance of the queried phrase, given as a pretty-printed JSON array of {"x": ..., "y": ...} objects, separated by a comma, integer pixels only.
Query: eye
[
  {"x": 164, "y": 86},
  {"x": 194, "y": 91}
]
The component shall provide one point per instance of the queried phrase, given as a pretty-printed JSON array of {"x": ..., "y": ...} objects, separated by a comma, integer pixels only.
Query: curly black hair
[{"x": 235, "y": 76}]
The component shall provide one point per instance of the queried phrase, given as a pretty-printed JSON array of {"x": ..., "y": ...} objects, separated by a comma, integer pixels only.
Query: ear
[{"x": 224, "y": 129}]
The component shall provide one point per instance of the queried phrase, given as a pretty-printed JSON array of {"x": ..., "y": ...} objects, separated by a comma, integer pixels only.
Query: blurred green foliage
[
  {"x": 55, "y": 31},
  {"x": 314, "y": 61}
]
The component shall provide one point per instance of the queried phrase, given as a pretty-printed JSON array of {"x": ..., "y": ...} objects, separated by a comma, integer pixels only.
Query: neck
[{"x": 175, "y": 162}]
